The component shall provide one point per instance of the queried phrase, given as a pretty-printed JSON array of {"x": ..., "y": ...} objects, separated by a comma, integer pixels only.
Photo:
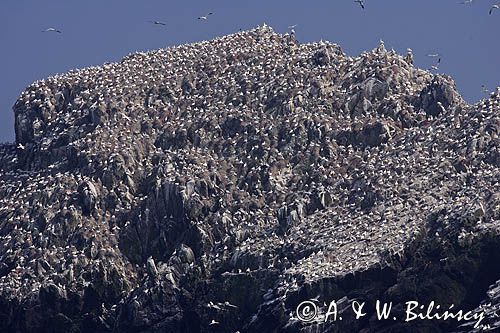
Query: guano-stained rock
[{"x": 215, "y": 186}]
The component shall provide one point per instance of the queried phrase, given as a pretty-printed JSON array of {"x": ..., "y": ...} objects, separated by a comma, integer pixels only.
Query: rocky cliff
[{"x": 215, "y": 186}]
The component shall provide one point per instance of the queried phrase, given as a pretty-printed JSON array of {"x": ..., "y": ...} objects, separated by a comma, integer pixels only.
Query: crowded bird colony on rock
[{"x": 219, "y": 183}]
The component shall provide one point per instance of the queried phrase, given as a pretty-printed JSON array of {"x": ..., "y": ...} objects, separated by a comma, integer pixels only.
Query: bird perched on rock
[
  {"x": 409, "y": 56},
  {"x": 381, "y": 47},
  {"x": 88, "y": 196},
  {"x": 441, "y": 107},
  {"x": 70, "y": 273},
  {"x": 479, "y": 211},
  {"x": 226, "y": 303},
  {"x": 151, "y": 267}
]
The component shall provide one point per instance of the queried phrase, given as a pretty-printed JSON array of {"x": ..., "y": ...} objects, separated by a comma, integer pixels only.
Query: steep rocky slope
[{"x": 214, "y": 186}]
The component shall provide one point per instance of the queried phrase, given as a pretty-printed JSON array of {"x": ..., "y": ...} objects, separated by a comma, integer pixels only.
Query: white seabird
[
  {"x": 436, "y": 66},
  {"x": 205, "y": 17},
  {"x": 361, "y": 3},
  {"x": 409, "y": 56},
  {"x": 381, "y": 47},
  {"x": 157, "y": 22},
  {"x": 52, "y": 30}
]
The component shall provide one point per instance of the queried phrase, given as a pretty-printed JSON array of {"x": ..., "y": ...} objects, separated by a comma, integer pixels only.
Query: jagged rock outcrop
[{"x": 214, "y": 186}]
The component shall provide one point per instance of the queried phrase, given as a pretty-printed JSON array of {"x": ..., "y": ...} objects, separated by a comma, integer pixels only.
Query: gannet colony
[{"x": 213, "y": 187}]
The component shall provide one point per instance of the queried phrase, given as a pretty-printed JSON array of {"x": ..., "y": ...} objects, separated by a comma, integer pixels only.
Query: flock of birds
[
  {"x": 361, "y": 3},
  {"x": 205, "y": 17},
  {"x": 155, "y": 22}
]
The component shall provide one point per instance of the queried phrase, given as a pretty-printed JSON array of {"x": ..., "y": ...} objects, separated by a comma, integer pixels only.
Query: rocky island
[{"x": 216, "y": 186}]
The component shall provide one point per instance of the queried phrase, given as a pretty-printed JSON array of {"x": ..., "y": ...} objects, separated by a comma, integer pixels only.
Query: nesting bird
[
  {"x": 381, "y": 47},
  {"x": 409, "y": 56},
  {"x": 151, "y": 268}
]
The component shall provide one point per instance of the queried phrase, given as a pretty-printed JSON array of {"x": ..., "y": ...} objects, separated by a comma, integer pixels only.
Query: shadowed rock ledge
[{"x": 214, "y": 186}]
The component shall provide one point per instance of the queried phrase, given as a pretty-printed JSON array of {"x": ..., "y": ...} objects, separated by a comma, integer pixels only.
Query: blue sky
[{"x": 98, "y": 31}]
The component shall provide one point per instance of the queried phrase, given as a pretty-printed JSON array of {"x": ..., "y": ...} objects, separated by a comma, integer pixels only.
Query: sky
[{"x": 99, "y": 31}]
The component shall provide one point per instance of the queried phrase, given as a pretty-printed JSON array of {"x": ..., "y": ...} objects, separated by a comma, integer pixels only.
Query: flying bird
[
  {"x": 52, "y": 30},
  {"x": 292, "y": 29},
  {"x": 466, "y": 2},
  {"x": 436, "y": 66},
  {"x": 433, "y": 55},
  {"x": 205, "y": 17},
  {"x": 484, "y": 89},
  {"x": 361, "y": 3},
  {"x": 497, "y": 6},
  {"x": 157, "y": 22}
]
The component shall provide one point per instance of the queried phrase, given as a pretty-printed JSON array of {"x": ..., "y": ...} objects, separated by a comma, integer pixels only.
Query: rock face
[{"x": 213, "y": 187}]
